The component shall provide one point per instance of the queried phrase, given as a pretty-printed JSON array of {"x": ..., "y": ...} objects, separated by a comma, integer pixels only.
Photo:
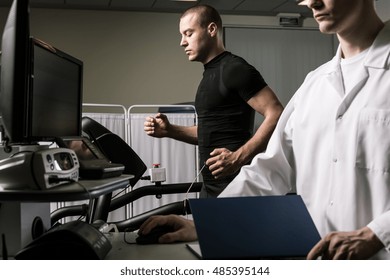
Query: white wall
[
  {"x": 129, "y": 57},
  {"x": 283, "y": 65},
  {"x": 383, "y": 8},
  {"x": 133, "y": 58}
]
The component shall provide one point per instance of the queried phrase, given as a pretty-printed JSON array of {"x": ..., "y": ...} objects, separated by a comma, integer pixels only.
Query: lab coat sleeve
[
  {"x": 380, "y": 226},
  {"x": 271, "y": 172}
]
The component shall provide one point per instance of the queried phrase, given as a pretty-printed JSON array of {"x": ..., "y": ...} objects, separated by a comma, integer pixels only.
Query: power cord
[
  {"x": 89, "y": 197},
  {"x": 123, "y": 190}
]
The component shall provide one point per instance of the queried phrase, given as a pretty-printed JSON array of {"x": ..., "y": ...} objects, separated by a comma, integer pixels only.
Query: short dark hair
[{"x": 207, "y": 15}]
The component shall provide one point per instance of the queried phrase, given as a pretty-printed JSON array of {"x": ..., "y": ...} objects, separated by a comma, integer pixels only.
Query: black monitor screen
[
  {"x": 55, "y": 93},
  {"x": 15, "y": 63}
]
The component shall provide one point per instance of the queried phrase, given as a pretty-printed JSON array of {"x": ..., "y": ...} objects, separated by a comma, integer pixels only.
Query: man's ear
[{"x": 212, "y": 29}]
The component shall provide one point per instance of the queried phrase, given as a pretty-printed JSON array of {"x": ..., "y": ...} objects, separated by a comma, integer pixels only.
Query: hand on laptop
[
  {"x": 358, "y": 244},
  {"x": 183, "y": 229}
]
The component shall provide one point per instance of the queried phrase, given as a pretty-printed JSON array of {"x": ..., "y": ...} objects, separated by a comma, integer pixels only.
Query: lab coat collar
[{"x": 378, "y": 55}]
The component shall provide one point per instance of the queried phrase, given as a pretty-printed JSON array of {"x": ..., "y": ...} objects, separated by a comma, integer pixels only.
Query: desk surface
[
  {"x": 81, "y": 190},
  {"x": 125, "y": 248}
]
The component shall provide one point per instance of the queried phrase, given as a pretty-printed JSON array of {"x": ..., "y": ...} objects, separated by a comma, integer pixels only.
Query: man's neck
[
  {"x": 361, "y": 37},
  {"x": 214, "y": 53}
]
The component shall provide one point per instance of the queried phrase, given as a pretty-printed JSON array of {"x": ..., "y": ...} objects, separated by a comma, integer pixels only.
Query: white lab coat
[{"x": 333, "y": 148}]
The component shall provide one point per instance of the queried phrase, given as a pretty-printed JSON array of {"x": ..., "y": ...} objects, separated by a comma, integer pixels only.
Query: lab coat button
[{"x": 335, "y": 160}]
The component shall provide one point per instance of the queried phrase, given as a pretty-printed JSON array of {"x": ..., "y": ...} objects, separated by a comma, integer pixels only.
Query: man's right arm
[
  {"x": 159, "y": 126},
  {"x": 188, "y": 134}
]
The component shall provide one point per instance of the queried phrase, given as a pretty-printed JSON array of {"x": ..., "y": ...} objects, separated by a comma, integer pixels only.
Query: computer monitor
[
  {"x": 14, "y": 73},
  {"x": 41, "y": 86},
  {"x": 55, "y": 96}
]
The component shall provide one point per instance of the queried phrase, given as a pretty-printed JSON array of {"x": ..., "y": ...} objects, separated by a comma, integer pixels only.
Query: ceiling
[{"x": 236, "y": 7}]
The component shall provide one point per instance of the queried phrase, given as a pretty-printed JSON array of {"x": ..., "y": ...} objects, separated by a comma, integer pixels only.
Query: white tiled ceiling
[{"x": 239, "y": 7}]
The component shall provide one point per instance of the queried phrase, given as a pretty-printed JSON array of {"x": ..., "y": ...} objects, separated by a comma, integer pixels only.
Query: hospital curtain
[{"x": 178, "y": 158}]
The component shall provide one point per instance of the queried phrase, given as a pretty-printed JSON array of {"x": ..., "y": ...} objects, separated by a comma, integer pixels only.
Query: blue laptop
[{"x": 261, "y": 227}]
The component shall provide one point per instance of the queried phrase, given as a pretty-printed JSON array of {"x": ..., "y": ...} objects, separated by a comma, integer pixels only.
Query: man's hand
[
  {"x": 157, "y": 126},
  {"x": 223, "y": 162},
  {"x": 183, "y": 229},
  {"x": 359, "y": 244}
]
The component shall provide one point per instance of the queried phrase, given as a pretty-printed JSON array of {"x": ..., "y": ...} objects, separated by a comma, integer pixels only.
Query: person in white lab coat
[{"x": 332, "y": 142}]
